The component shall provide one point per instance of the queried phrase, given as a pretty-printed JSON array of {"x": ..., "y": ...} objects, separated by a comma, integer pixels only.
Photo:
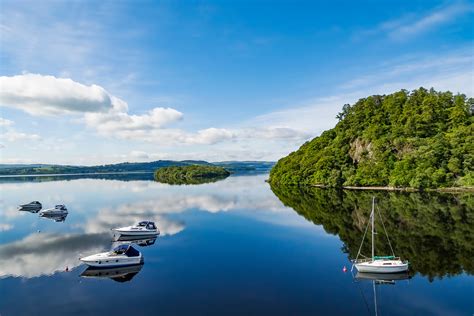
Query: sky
[{"x": 96, "y": 82}]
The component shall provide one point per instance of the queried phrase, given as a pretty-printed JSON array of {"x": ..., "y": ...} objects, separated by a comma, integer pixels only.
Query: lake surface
[{"x": 233, "y": 247}]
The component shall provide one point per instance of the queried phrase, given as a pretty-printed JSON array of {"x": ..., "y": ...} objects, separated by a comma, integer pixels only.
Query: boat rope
[
  {"x": 360, "y": 248},
  {"x": 385, "y": 230}
]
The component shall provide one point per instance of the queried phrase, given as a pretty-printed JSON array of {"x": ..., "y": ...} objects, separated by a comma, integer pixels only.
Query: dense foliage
[
  {"x": 431, "y": 230},
  {"x": 422, "y": 139},
  {"x": 193, "y": 174}
]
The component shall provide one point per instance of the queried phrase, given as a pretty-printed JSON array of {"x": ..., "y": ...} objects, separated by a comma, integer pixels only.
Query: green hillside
[{"x": 419, "y": 139}]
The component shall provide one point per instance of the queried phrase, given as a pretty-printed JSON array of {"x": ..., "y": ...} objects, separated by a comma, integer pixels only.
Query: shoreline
[
  {"x": 399, "y": 189},
  {"x": 71, "y": 174}
]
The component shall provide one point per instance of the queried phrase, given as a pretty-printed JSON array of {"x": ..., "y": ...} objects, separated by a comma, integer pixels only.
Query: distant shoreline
[{"x": 71, "y": 174}]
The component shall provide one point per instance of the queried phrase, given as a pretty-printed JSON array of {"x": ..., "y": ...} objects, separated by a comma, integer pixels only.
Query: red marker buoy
[{"x": 344, "y": 269}]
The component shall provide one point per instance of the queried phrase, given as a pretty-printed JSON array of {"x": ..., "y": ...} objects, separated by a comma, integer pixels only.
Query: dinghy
[
  {"x": 378, "y": 264},
  {"x": 123, "y": 255}
]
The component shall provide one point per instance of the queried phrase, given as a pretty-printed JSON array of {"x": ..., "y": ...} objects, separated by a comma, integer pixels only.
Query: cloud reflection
[{"x": 44, "y": 254}]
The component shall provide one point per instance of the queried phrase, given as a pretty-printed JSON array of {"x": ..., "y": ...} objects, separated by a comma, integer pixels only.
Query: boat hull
[
  {"x": 370, "y": 267},
  {"x": 112, "y": 262},
  {"x": 105, "y": 260},
  {"x": 136, "y": 233}
]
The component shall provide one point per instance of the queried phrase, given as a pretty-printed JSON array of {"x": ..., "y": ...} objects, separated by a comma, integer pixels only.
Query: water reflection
[
  {"x": 120, "y": 274},
  {"x": 55, "y": 217},
  {"x": 140, "y": 241},
  {"x": 432, "y": 230},
  {"x": 47, "y": 253}
]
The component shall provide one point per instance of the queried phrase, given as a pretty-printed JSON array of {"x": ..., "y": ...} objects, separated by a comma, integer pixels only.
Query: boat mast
[{"x": 372, "y": 218}]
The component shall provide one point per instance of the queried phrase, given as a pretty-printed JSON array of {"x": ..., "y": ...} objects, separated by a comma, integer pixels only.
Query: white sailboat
[{"x": 378, "y": 264}]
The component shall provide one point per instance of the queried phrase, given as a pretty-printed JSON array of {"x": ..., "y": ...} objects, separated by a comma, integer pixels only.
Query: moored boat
[
  {"x": 59, "y": 209},
  {"x": 143, "y": 228},
  {"x": 123, "y": 255},
  {"x": 32, "y": 207},
  {"x": 378, "y": 264}
]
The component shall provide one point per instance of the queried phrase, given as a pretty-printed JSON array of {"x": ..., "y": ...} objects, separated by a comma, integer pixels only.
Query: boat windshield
[
  {"x": 120, "y": 249},
  {"x": 142, "y": 224}
]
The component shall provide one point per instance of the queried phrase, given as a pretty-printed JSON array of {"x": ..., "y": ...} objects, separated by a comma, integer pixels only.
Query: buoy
[{"x": 344, "y": 269}]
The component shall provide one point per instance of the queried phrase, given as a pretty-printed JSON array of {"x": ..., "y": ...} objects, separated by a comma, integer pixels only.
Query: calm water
[{"x": 230, "y": 247}]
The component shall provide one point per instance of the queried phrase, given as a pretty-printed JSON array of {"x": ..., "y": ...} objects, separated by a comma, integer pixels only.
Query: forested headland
[
  {"x": 418, "y": 139},
  {"x": 193, "y": 174}
]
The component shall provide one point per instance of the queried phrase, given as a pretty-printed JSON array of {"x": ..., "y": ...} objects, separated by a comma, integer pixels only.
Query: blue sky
[{"x": 92, "y": 82}]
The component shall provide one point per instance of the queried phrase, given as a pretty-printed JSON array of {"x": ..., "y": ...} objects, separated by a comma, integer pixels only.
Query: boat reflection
[
  {"x": 138, "y": 240},
  {"x": 382, "y": 277},
  {"x": 118, "y": 274},
  {"x": 379, "y": 279},
  {"x": 55, "y": 217}
]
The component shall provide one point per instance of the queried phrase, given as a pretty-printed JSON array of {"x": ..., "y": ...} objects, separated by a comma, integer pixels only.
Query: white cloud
[
  {"x": 4, "y": 227},
  {"x": 14, "y": 136},
  {"x": 409, "y": 26},
  {"x": 9, "y": 134},
  {"x": 5, "y": 122},
  {"x": 47, "y": 95},
  {"x": 430, "y": 21},
  {"x": 116, "y": 121}
]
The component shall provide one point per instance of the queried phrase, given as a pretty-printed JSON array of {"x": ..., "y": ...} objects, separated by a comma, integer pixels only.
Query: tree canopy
[
  {"x": 419, "y": 139},
  {"x": 193, "y": 174}
]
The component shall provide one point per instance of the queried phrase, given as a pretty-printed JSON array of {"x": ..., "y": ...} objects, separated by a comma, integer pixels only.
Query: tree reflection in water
[{"x": 434, "y": 231}]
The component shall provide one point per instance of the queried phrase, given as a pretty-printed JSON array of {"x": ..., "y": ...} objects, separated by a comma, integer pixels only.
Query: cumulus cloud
[
  {"x": 118, "y": 121},
  {"x": 47, "y": 95}
]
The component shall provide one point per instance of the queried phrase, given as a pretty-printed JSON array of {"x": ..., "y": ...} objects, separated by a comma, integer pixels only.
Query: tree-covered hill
[
  {"x": 193, "y": 174},
  {"x": 419, "y": 139}
]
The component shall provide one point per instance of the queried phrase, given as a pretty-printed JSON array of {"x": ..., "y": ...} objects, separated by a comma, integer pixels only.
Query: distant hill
[
  {"x": 418, "y": 139},
  {"x": 234, "y": 167}
]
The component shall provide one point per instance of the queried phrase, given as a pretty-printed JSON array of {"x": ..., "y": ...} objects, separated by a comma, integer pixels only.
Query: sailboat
[{"x": 378, "y": 264}]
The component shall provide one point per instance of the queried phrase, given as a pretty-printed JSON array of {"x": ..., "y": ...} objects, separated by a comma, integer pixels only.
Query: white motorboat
[
  {"x": 59, "y": 209},
  {"x": 123, "y": 255},
  {"x": 55, "y": 217},
  {"x": 378, "y": 264},
  {"x": 118, "y": 274},
  {"x": 32, "y": 207},
  {"x": 143, "y": 228}
]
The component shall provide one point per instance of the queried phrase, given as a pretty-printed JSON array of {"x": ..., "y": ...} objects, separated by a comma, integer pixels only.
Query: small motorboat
[
  {"x": 59, "y": 209},
  {"x": 143, "y": 228},
  {"x": 123, "y": 255},
  {"x": 32, "y": 207},
  {"x": 55, "y": 217},
  {"x": 118, "y": 274}
]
